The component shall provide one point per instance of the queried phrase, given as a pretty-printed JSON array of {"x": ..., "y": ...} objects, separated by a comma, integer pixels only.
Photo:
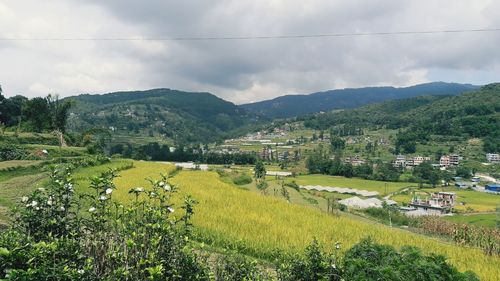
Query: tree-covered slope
[
  {"x": 182, "y": 116},
  {"x": 296, "y": 105},
  {"x": 473, "y": 114}
]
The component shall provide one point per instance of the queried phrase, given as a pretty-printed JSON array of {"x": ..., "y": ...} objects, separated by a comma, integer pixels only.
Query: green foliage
[
  {"x": 370, "y": 261},
  {"x": 242, "y": 179},
  {"x": 337, "y": 143},
  {"x": 425, "y": 172},
  {"x": 259, "y": 170},
  {"x": 463, "y": 172},
  {"x": 231, "y": 267},
  {"x": 183, "y": 117},
  {"x": 473, "y": 114},
  {"x": 12, "y": 152},
  {"x": 55, "y": 238},
  {"x": 314, "y": 265}
]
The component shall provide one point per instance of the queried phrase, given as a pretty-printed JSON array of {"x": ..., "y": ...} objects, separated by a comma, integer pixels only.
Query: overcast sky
[{"x": 243, "y": 70}]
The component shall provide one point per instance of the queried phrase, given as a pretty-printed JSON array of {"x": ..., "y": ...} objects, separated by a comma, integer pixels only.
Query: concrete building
[
  {"x": 493, "y": 158},
  {"x": 438, "y": 203}
]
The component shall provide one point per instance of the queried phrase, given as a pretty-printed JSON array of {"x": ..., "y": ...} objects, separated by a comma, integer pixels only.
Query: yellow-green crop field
[{"x": 259, "y": 225}]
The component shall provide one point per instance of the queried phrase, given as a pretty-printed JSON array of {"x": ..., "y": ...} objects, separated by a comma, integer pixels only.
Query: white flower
[
  {"x": 37, "y": 208},
  {"x": 337, "y": 245},
  {"x": 24, "y": 199},
  {"x": 109, "y": 191},
  {"x": 161, "y": 184},
  {"x": 167, "y": 187},
  {"x": 34, "y": 203},
  {"x": 170, "y": 209},
  {"x": 103, "y": 198},
  {"x": 139, "y": 189},
  {"x": 49, "y": 202},
  {"x": 69, "y": 186},
  {"x": 81, "y": 271},
  {"x": 334, "y": 266},
  {"x": 62, "y": 208},
  {"x": 92, "y": 209}
]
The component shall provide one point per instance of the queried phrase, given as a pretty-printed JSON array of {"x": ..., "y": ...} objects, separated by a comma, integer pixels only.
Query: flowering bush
[{"x": 58, "y": 235}]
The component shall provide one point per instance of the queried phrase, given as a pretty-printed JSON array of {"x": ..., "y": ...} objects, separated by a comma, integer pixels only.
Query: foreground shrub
[
  {"x": 370, "y": 261},
  {"x": 55, "y": 238}
]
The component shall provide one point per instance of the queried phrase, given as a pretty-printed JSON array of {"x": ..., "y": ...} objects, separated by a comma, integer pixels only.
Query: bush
[
  {"x": 236, "y": 267},
  {"x": 370, "y": 261},
  {"x": 55, "y": 238},
  {"x": 242, "y": 179}
]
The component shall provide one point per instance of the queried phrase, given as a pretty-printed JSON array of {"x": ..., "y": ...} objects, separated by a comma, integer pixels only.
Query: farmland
[
  {"x": 488, "y": 219},
  {"x": 262, "y": 226}
]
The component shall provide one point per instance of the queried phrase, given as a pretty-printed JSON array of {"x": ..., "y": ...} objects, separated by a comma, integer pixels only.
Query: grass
[
  {"x": 12, "y": 190},
  {"x": 356, "y": 183},
  {"x": 18, "y": 163},
  {"x": 474, "y": 201},
  {"x": 261, "y": 226},
  {"x": 487, "y": 220}
]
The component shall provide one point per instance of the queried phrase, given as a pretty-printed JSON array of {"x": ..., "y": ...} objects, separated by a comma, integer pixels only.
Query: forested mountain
[
  {"x": 296, "y": 105},
  {"x": 474, "y": 114},
  {"x": 181, "y": 116}
]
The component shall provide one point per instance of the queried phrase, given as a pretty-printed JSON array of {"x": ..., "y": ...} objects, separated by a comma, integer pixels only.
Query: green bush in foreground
[{"x": 59, "y": 235}]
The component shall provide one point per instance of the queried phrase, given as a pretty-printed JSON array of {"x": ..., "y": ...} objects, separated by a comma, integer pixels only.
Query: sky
[{"x": 242, "y": 71}]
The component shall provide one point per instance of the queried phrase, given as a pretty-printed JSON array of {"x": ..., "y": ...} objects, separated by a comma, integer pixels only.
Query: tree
[
  {"x": 337, "y": 143},
  {"x": 259, "y": 170},
  {"x": 463, "y": 172}
]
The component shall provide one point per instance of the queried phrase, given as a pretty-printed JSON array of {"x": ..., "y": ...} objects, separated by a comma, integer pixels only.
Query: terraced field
[{"x": 262, "y": 226}]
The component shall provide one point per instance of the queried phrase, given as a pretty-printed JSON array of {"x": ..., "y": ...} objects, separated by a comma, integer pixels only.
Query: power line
[{"x": 216, "y": 38}]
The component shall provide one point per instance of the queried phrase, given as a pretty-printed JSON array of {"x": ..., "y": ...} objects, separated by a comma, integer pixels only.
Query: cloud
[{"x": 243, "y": 70}]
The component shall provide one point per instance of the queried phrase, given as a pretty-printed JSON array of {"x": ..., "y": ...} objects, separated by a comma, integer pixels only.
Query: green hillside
[
  {"x": 474, "y": 114},
  {"x": 180, "y": 116}
]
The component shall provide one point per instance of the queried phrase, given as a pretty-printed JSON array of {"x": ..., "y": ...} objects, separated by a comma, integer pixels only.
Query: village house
[
  {"x": 449, "y": 160},
  {"x": 355, "y": 160},
  {"x": 417, "y": 160},
  {"x": 493, "y": 158},
  {"x": 438, "y": 203},
  {"x": 400, "y": 162}
]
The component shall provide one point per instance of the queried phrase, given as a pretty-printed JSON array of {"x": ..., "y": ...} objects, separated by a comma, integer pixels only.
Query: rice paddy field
[{"x": 262, "y": 226}]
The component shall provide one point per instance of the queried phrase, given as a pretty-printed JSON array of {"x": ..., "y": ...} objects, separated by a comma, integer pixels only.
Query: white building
[{"x": 493, "y": 157}]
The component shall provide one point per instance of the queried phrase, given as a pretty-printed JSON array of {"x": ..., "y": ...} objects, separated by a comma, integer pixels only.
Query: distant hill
[
  {"x": 177, "y": 115},
  {"x": 473, "y": 114},
  {"x": 297, "y": 105}
]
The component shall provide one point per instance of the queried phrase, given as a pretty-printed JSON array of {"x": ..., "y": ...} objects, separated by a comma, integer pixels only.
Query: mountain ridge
[{"x": 297, "y": 105}]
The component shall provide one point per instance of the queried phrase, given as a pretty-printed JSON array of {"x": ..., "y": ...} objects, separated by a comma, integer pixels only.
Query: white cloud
[{"x": 246, "y": 70}]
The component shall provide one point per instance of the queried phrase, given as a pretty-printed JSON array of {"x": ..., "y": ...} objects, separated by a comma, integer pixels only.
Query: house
[
  {"x": 400, "y": 162},
  {"x": 449, "y": 160},
  {"x": 355, "y": 160},
  {"x": 438, "y": 203},
  {"x": 492, "y": 188},
  {"x": 493, "y": 158},
  {"x": 460, "y": 185},
  {"x": 417, "y": 160}
]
